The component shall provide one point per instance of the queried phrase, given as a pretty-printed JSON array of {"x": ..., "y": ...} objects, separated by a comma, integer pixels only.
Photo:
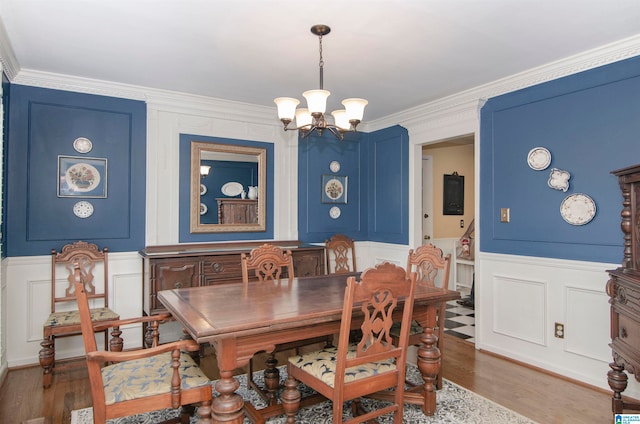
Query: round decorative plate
[
  {"x": 203, "y": 189},
  {"x": 82, "y": 177},
  {"x": 334, "y": 212},
  {"x": 231, "y": 189},
  {"x": 334, "y": 166},
  {"x": 203, "y": 208},
  {"x": 539, "y": 158},
  {"x": 83, "y": 209},
  {"x": 82, "y": 145},
  {"x": 334, "y": 189},
  {"x": 578, "y": 209}
]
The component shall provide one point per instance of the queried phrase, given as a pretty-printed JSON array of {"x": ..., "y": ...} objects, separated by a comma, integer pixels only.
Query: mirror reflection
[{"x": 227, "y": 188}]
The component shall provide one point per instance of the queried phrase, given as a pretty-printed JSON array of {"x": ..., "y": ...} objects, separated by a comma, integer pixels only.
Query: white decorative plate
[
  {"x": 203, "y": 208},
  {"x": 203, "y": 189},
  {"x": 334, "y": 166},
  {"x": 82, "y": 145},
  {"x": 82, "y": 177},
  {"x": 539, "y": 158},
  {"x": 232, "y": 189},
  {"x": 559, "y": 179},
  {"x": 334, "y": 212},
  {"x": 578, "y": 209},
  {"x": 83, "y": 209}
]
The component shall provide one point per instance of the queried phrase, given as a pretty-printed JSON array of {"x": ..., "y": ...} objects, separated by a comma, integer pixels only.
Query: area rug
[{"x": 455, "y": 405}]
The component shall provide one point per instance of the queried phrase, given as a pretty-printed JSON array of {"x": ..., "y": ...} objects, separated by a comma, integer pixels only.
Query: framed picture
[
  {"x": 453, "y": 195},
  {"x": 334, "y": 189},
  {"x": 82, "y": 177}
]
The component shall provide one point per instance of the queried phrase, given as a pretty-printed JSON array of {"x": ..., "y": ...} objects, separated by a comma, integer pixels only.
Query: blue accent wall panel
[
  {"x": 185, "y": 187},
  {"x": 589, "y": 122},
  {"x": 315, "y": 153},
  {"x": 44, "y": 124},
  {"x": 389, "y": 186},
  {"x": 376, "y": 166}
]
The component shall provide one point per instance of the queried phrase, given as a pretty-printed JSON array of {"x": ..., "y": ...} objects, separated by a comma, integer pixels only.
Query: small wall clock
[
  {"x": 334, "y": 212},
  {"x": 334, "y": 166},
  {"x": 82, "y": 145},
  {"x": 83, "y": 209}
]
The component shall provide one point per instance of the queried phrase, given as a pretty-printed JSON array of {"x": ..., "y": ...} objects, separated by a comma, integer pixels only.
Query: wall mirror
[{"x": 228, "y": 188}]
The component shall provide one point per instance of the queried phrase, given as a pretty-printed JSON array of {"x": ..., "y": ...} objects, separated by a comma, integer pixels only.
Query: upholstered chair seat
[
  {"x": 146, "y": 377},
  {"x": 73, "y": 317},
  {"x": 322, "y": 365}
]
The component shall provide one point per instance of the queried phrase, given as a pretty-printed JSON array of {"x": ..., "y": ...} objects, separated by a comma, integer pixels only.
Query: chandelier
[{"x": 312, "y": 117}]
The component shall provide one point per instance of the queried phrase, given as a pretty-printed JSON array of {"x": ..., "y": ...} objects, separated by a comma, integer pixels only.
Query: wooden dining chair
[
  {"x": 64, "y": 319},
  {"x": 432, "y": 270},
  {"x": 271, "y": 264},
  {"x": 374, "y": 364},
  {"x": 141, "y": 380},
  {"x": 341, "y": 254}
]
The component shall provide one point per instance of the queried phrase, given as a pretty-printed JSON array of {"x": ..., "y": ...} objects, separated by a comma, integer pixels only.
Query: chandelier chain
[{"x": 321, "y": 63}]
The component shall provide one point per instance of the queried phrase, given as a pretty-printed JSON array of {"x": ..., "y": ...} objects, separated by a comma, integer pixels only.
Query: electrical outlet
[
  {"x": 559, "y": 330},
  {"x": 462, "y": 223}
]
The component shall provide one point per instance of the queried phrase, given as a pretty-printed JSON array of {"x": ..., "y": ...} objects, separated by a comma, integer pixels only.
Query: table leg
[
  {"x": 429, "y": 362},
  {"x": 227, "y": 408}
]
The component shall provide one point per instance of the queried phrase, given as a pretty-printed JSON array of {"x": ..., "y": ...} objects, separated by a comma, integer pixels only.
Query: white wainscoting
[{"x": 518, "y": 301}]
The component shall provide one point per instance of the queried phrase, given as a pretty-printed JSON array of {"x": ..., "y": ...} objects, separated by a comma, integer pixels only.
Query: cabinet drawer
[
  {"x": 626, "y": 296},
  {"x": 222, "y": 268},
  {"x": 628, "y": 331}
]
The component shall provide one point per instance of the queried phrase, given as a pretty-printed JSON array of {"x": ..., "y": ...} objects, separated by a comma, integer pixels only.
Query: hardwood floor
[{"x": 540, "y": 396}]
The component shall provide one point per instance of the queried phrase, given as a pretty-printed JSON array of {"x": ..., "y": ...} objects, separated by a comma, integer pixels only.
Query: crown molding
[
  {"x": 10, "y": 64},
  {"x": 457, "y": 103}
]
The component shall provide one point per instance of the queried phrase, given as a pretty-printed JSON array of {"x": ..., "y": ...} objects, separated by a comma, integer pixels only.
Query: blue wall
[
  {"x": 376, "y": 167},
  {"x": 185, "y": 187},
  {"x": 42, "y": 125},
  {"x": 590, "y": 122}
]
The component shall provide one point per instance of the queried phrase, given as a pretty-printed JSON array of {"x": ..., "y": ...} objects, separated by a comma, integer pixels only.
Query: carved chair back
[
  {"x": 86, "y": 256},
  {"x": 341, "y": 255},
  {"x": 429, "y": 263},
  {"x": 268, "y": 262}
]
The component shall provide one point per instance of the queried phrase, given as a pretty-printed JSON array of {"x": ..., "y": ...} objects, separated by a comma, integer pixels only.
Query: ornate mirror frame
[{"x": 197, "y": 149}]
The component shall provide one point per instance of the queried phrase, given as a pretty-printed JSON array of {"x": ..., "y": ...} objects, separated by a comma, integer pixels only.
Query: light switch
[{"x": 504, "y": 214}]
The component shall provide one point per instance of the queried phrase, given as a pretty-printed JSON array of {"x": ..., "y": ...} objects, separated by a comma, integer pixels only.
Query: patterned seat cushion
[
  {"x": 73, "y": 317},
  {"x": 322, "y": 365},
  {"x": 148, "y": 376}
]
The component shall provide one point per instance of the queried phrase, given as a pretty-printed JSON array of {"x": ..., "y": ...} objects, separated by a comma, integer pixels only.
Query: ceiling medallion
[{"x": 313, "y": 116}]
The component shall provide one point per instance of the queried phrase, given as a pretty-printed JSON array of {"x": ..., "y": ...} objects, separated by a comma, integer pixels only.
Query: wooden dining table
[{"x": 239, "y": 320}]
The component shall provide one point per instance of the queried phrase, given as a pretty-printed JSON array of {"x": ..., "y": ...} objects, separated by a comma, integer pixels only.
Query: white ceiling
[{"x": 396, "y": 53}]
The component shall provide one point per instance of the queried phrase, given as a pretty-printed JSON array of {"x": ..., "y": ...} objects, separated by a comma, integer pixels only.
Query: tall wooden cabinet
[
  {"x": 623, "y": 289},
  {"x": 204, "y": 264},
  {"x": 237, "y": 211}
]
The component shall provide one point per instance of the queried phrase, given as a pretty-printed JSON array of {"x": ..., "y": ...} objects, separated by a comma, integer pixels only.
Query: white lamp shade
[
  {"x": 286, "y": 107},
  {"x": 204, "y": 170},
  {"x": 316, "y": 100},
  {"x": 355, "y": 108},
  {"x": 303, "y": 117},
  {"x": 341, "y": 120}
]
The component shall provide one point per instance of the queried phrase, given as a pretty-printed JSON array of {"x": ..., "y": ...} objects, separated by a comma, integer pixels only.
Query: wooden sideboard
[
  {"x": 623, "y": 289},
  {"x": 204, "y": 264},
  {"x": 237, "y": 211}
]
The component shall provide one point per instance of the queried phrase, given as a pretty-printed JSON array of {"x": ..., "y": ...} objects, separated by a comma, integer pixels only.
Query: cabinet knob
[
  {"x": 177, "y": 285},
  {"x": 217, "y": 267},
  {"x": 623, "y": 332}
]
